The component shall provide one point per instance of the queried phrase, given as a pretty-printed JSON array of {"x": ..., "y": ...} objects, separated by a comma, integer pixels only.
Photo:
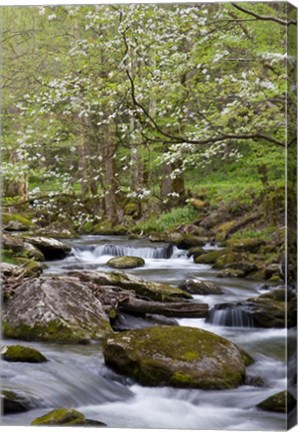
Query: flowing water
[{"x": 76, "y": 375}]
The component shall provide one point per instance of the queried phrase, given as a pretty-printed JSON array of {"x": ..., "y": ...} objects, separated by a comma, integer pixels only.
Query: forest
[{"x": 149, "y": 173}]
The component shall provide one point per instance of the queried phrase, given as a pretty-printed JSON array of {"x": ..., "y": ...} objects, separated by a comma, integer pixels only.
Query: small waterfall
[
  {"x": 161, "y": 252},
  {"x": 230, "y": 316}
]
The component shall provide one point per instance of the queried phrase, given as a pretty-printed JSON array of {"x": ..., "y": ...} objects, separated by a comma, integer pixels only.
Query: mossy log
[{"x": 179, "y": 310}]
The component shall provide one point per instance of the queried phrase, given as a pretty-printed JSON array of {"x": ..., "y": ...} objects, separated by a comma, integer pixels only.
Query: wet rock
[
  {"x": 282, "y": 402},
  {"x": 54, "y": 309},
  {"x": 254, "y": 381},
  {"x": 13, "y": 403},
  {"x": 231, "y": 272},
  {"x": 126, "y": 262},
  {"x": 196, "y": 251},
  {"x": 176, "y": 356},
  {"x": 200, "y": 287},
  {"x": 65, "y": 417},
  {"x": 19, "y": 353},
  {"x": 51, "y": 248},
  {"x": 150, "y": 290},
  {"x": 187, "y": 241},
  {"x": 210, "y": 257}
]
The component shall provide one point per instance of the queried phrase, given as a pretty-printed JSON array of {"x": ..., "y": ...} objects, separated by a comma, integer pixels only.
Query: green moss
[
  {"x": 124, "y": 262},
  {"x": 210, "y": 257},
  {"x": 282, "y": 402},
  {"x": 19, "y": 353},
  {"x": 63, "y": 416},
  {"x": 223, "y": 230},
  {"x": 16, "y": 217},
  {"x": 181, "y": 378}
]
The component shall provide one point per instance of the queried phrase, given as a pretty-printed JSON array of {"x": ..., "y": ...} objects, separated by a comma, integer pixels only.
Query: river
[{"x": 76, "y": 375}]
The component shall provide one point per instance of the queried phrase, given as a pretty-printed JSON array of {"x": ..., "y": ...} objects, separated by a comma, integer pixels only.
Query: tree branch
[{"x": 264, "y": 17}]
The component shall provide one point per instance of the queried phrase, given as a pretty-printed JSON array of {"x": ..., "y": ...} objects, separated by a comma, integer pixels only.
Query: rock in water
[
  {"x": 200, "y": 287},
  {"x": 282, "y": 402},
  {"x": 52, "y": 249},
  {"x": 54, "y": 309},
  {"x": 19, "y": 353},
  {"x": 65, "y": 417},
  {"x": 124, "y": 262},
  {"x": 13, "y": 403},
  {"x": 177, "y": 357}
]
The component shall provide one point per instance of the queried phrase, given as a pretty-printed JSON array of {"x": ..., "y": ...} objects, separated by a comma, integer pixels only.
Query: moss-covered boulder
[
  {"x": 200, "y": 287},
  {"x": 65, "y": 417},
  {"x": 187, "y": 241},
  {"x": 246, "y": 245},
  {"x": 196, "y": 251},
  {"x": 54, "y": 309},
  {"x": 282, "y": 402},
  {"x": 126, "y": 262},
  {"x": 12, "y": 243},
  {"x": 177, "y": 357},
  {"x": 13, "y": 403},
  {"x": 20, "y": 353},
  {"x": 150, "y": 290},
  {"x": 210, "y": 257},
  {"x": 51, "y": 248},
  {"x": 16, "y": 222},
  {"x": 15, "y": 246}
]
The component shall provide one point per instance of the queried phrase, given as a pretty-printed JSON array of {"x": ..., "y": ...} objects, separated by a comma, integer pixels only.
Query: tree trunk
[
  {"x": 179, "y": 309},
  {"x": 110, "y": 183}
]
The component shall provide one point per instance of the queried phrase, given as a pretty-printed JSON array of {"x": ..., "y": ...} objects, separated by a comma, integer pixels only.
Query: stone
[
  {"x": 210, "y": 257},
  {"x": 200, "y": 287},
  {"x": 19, "y": 353},
  {"x": 51, "y": 248},
  {"x": 198, "y": 203},
  {"x": 16, "y": 222},
  {"x": 54, "y": 309},
  {"x": 187, "y": 241},
  {"x": 13, "y": 403},
  {"x": 246, "y": 245},
  {"x": 282, "y": 402},
  {"x": 126, "y": 262},
  {"x": 196, "y": 251},
  {"x": 131, "y": 209},
  {"x": 175, "y": 356},
  {"x": 65, "y": 417},
  {"x": 150, "y": 290}
]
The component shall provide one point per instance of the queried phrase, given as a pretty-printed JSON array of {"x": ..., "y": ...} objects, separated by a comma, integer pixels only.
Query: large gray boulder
[
  {"x": 51, "y": 248},
  {"x": 176, "y": 356},
  {"x": 54, "y": 309}
]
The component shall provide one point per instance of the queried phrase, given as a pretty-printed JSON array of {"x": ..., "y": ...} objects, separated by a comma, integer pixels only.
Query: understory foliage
[{"x": 106, "y": 105}]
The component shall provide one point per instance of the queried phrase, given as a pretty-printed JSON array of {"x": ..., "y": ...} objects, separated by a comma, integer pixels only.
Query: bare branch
[{"x": 263, "y": 17}]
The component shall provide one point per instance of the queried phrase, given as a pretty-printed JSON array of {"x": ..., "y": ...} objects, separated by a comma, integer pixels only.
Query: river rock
[
  {"x": 210, "y": 257},
  {"x": 187, "y": 241},
  {"x": 13, "y": 403},
  {"x": 200, "y": 287},
  {"x": 246, "y": 245},
  {"x": 16, "y": 246},
  {"x": 125, "y": 321},
  {"x": 282, "y": 402},
  {"x": 54, "y": 309},
  {"x": 196, "y": 251},
  {"x": 19, "y": 353},
  {"x": 65, "y": 417},
  {"x": 8, "y": 270},
  {"x": 126, "y": 262},
  {"x": 175, "y": 356},
  {"x": 151, "y": 290},
  {"x": 51, "y": 248}
]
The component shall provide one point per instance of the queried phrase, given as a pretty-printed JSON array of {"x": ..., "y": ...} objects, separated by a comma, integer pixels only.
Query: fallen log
[{"x": 184, "y": 309}]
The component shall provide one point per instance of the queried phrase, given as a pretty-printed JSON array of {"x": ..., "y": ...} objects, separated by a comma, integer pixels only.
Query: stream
[{"x": 76, "y": 375}]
